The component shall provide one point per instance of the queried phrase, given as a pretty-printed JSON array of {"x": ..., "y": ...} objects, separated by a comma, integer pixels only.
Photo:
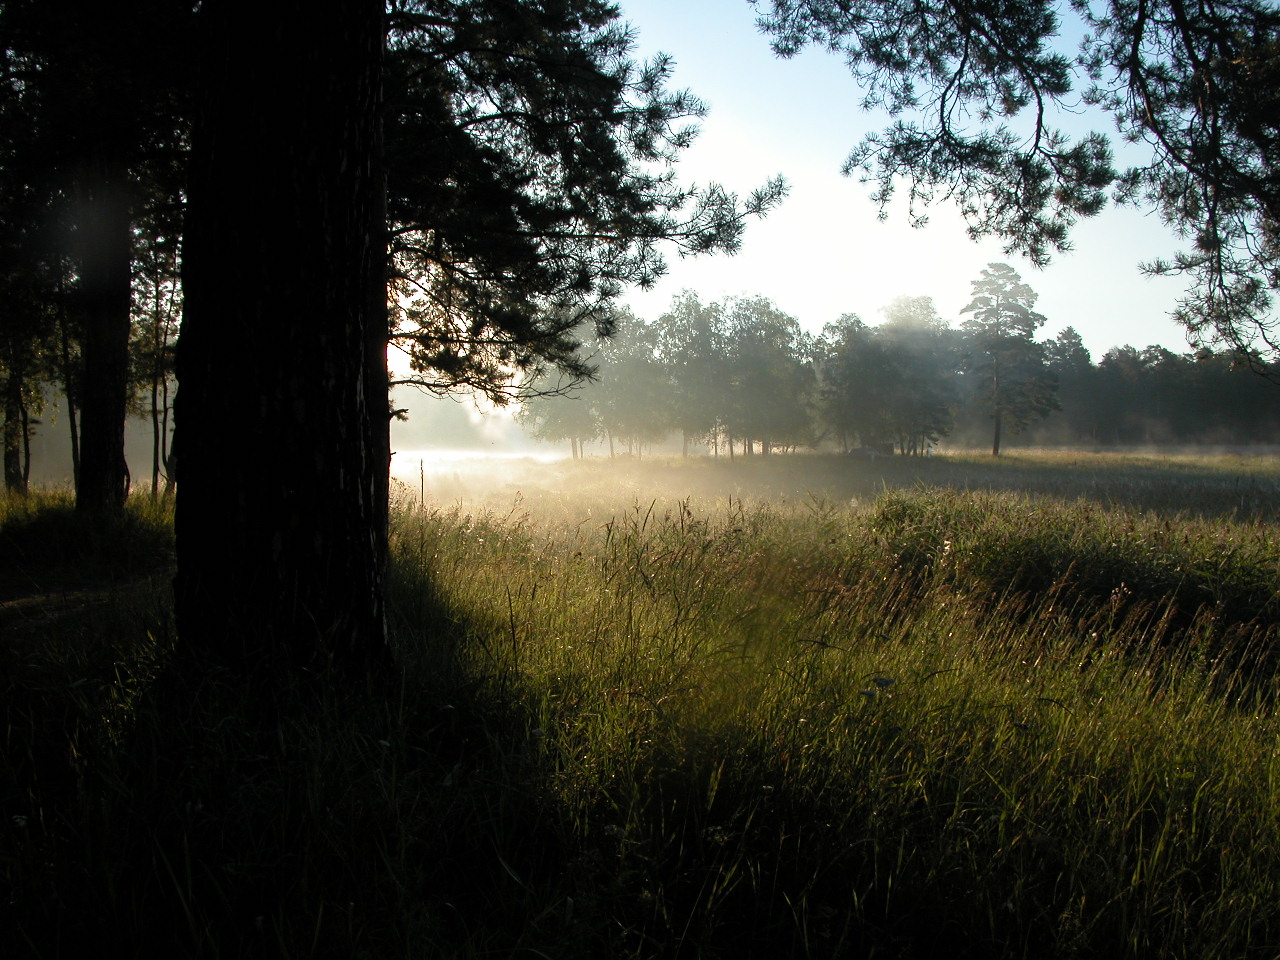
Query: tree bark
[
  {"x": 70, "y": 389},
  {"x": 282, "y": 412},
  {"x": 104, "y": 255}
]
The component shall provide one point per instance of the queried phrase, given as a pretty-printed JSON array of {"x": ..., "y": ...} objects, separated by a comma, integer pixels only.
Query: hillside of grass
[{"x": 783, "y": 707}]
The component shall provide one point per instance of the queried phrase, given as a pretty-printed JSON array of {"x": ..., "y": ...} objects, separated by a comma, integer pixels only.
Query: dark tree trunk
[
  {"x": 104, "y": 256},
  {"x": 282, "y": 408},
  {"x": 14, "y": 428},
  {"x": 26, "y": 447},
  {"x": 70, "y": 379},
  {"x": 999, "y": 403},
  {"x": 155, "y": 439}
]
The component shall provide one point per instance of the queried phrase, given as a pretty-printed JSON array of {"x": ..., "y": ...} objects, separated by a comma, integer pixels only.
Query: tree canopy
[
  {"x": 975, "y": 90},
  {"x": 531, "y": 166}
]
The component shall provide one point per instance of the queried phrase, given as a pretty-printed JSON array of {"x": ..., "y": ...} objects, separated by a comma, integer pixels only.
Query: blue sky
[{"x": 824, "y": 252}]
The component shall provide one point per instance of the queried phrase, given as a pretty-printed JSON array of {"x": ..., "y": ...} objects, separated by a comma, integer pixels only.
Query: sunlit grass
[
  {"x": 796, "y": 708},
  {"x": 803, "y": 729}
]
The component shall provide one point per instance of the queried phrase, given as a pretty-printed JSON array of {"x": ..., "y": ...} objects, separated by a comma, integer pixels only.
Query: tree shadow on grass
[{"x": 155, "y": 805}]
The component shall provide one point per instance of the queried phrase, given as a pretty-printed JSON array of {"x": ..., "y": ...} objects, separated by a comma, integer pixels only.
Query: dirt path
[{"x": 30, "y": 610}]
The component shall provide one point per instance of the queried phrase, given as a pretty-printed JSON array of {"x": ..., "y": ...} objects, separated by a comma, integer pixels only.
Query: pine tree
[
  {"x": 1013, "y": 380},
  {"x": 281, "y": 501},
  {"x": 524, "y": 175},
  {"x": 531, "y": 178}
]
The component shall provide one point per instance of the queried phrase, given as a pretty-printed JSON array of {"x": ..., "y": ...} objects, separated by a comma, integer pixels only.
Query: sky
[{"x": 824, "y": 252}]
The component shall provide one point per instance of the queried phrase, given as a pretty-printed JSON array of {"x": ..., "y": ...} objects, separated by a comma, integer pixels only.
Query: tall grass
[
  {"x": 943, "y": 718},
  {"x": 977, "y": 723}
]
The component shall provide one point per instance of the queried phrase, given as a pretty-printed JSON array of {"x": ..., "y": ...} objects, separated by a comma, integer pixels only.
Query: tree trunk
[
  {"x": 155, "y": 437},
  {"x": 104, "y": 253},
  {"x": 26, "y": 446},
  {"x": 13, "y": 434},
  {"x": 281, "y": 503},
  {"x": 69, "y": 383},
  {"x": 995, "y": 393}
]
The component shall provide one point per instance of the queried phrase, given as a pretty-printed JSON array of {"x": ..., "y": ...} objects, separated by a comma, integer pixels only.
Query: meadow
[{"x": 786, "y": 706}]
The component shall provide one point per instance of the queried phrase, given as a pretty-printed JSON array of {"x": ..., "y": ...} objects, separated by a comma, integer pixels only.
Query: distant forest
[{"x": 740, "y": 376}]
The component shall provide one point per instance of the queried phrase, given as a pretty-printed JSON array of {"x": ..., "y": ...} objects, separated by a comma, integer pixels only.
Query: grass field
[{"x": 800, "y": 707}]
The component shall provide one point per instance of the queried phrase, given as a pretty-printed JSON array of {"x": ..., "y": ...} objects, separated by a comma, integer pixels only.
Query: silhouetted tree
[
  {"x": 856, "y": 384},
  {"x": 771, "y": 381},
  {"x": 27, "y": 274},
  {"x": 691, "y": 346},
  {"x": 1013, "y": 380},
  {"x": 525, "y": 175},
  {"x": 555, "y": 417},
  {"x": 281, "y": 534},
  {"x": 1069, "y": 361},
  {"x": 530, "y": 161},
  {"x": 104, "y": 83},
  {"x": 925, "y": 353},
  {"x": 632, "y": 394}
]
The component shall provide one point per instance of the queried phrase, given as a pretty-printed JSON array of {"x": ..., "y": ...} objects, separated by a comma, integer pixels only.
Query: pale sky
[{"x": 823, "y": 252}]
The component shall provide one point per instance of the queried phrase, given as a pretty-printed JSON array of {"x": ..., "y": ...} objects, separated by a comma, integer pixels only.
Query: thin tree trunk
[
  {"x": 26, "y": 447},
  {"x": 155, "y": 438},
  {"x": 68, "y": 383},
  {"x": 157, "y": 374},
  {"x": 281, "y": 505},
  {"x": 167, "y": 462},
  {"x": 995, "y": 443}
]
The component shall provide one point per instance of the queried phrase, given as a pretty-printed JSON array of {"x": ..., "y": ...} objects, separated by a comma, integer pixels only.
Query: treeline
[{"x": 741, "y": 376}]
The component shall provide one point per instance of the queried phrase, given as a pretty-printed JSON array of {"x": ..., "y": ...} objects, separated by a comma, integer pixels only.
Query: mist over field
[{"x": 1220, "y": 483}]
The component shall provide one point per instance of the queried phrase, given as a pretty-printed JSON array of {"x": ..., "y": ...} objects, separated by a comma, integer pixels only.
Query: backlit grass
[{"x": 946, "y": 707}]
